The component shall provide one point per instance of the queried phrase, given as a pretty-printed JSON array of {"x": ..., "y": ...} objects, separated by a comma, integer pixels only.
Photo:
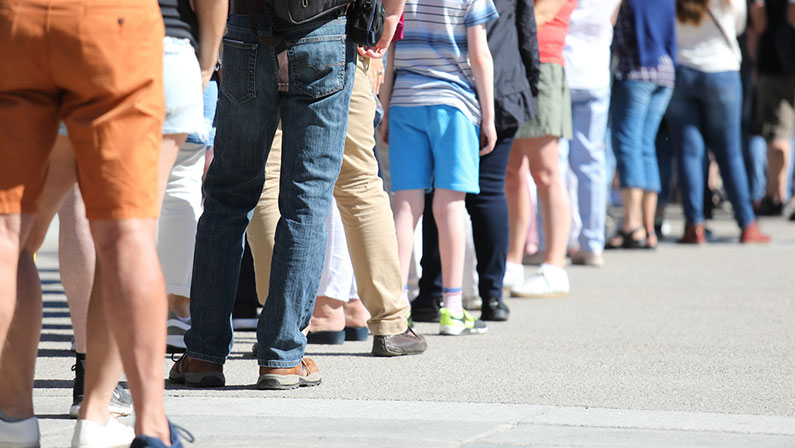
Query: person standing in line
[
  {"x": 262, "y": 83},
  {"x": 774, "y": 20},
  {"x": 512, "y": 37},
  {"x": 368, "y": 231},
  {"x": 587, "y": 54},
  {"x": 113, "y": 109},
  {"x": 439, "y": 106},
  {"x": 536, "y": 149},
  {"x": 705, "y": 111},
  {"x": 645, "y": 46}
]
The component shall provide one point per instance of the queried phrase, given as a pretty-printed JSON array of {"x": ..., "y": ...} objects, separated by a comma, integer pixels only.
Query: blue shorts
[{"x": 433, "y": 146}]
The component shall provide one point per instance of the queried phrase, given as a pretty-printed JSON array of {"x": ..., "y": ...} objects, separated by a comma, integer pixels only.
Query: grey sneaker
[
  {"x": 406, "y": 343},
  {"x": 175, "y": 342}
]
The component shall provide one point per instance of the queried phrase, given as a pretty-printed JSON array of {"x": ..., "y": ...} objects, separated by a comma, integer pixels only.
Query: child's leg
[
  {"x": 450, "y": 212},
  {"x": 407, "y": 207}
]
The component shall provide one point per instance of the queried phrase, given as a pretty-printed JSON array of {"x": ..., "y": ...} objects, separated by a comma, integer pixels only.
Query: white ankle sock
[{"x": 452, "y": 300}]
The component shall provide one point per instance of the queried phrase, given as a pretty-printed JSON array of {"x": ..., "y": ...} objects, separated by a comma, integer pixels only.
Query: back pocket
[
  {"x": 317, "y": 65},
  {"x": 239, "y": 68}
]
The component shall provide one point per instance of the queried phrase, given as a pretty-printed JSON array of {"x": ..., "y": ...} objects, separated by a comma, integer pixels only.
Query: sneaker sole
[
  {"x": 18, "y": 445},
  {"x": 116, "y": 411},
  {"x": 550, "y": 295},
  {"x": 461, "y": 331},
  {"x": 198, "y": 379},
  {"x": 287, "y": 382}
]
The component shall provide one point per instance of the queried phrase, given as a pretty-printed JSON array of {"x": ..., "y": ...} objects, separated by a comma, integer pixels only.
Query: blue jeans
[
  {"x": 587, "y": 161},
  {"x": 489, "y": 213},
  {"x": 705, "y": 111},
  {"x": 637, "y": 109},
  {"x": 312, "y": 104}
]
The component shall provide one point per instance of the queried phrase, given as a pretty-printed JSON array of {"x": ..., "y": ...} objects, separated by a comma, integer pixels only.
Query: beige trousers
[{"x": 366, "y": 215}]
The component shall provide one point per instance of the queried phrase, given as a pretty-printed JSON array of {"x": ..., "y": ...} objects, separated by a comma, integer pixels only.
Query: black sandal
[{"x": 627, "y": 242}]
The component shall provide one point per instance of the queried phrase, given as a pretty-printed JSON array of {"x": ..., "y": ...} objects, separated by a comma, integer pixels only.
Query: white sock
[
  {"x": 405, "y": 294},
  {"x": 510, "y": 268},
  {"x": 452, "y": 299}
]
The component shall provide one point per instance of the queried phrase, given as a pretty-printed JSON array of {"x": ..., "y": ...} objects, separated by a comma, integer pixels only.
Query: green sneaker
[{"x": 462, "y": 324}]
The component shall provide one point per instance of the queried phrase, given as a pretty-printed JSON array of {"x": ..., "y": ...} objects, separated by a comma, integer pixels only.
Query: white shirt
[
  {"x": 587, "y": 50},
  {"x": 703, "y": 47}
]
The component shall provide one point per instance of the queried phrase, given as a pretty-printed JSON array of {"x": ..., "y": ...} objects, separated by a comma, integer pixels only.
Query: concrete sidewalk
[{"x": 683, "y": 346}]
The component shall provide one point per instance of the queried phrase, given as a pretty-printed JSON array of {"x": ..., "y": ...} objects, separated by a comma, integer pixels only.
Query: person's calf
[{"x": 19, "y": 353}]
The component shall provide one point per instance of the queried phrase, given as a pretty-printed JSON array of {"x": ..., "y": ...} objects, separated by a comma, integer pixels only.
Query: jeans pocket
[
  {"x": 317, "y": 65},
  {"x": 239, "y": 66}
]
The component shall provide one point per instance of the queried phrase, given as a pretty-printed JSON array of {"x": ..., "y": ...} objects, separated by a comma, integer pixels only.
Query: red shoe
[
  {"x": 752, "y": 234},
  {"x": 694, "y": 234}
]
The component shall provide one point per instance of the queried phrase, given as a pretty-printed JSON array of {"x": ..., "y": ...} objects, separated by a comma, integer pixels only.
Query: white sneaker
[
  {"x": 514, "y": 276},
  {"x": 548, "y": 281},
  {"x": 110, "y": 435},
  {"x": 21, "y": 434},
  {"x": 177, "y": 327}
]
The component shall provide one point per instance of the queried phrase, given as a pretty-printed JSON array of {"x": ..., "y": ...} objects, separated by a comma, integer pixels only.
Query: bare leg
[
  {"x": 328, "y": 315},
  {"x": 518, "y": 197},
  {"x": 168, "y": 155},
  {"x": 450, "y": 212},
  {"x": 103, "y": 366},
  {"x": 17, "y": 336},
  {"x": 632, "y": 199},
  {"x": 649, "y": 208},
  {"x": 134, "y": 300},
  {"x": 18, "y": 362},
  {"x": 77, "y": 259},
  {"x": 356, "y": 315},
  {"x": 553, "y": 198},
  {"x": 778, "y": 154},
  {"x": 407, "y": 207}
]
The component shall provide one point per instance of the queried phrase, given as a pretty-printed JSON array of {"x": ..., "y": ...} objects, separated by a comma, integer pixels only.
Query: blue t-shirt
[{"x": 432, "y": 59}]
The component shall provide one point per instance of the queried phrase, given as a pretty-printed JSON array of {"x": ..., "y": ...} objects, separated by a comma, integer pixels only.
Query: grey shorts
[
  {"x": 775, "y": 107},
  {"x": 554, "y": 106}
]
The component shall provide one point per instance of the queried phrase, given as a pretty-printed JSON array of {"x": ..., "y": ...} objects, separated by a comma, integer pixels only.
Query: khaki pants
[{"x": 366, "y": 216}]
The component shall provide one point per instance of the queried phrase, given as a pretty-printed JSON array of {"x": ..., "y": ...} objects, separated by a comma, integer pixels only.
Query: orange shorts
[{"x": 97, "y": 65}]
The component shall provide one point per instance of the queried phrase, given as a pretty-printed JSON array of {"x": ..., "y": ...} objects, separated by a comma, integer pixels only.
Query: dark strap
[{"x": 253, "y": 9}]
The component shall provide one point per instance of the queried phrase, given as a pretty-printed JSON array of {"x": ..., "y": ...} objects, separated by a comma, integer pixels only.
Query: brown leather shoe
[
  {"x": 752, "y": 234},
  {"x": 195, "y": 373},
  {"x": 694, "y": 234},
  {"x": 306, "y": 373}
]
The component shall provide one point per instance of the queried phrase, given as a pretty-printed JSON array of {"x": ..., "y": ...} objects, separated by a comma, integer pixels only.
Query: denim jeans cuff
[
  {"x": 278, "y": 363},
  {"x": 206, "y": 358},
  {"x": 388, "y": 328}
]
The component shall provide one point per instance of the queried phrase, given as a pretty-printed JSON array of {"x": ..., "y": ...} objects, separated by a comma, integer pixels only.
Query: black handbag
[{"x": 366, "y": 22}]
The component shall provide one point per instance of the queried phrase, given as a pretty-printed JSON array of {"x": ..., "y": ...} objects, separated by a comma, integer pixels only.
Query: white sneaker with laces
[
  {"x": 549, "y": 281},
  {"x": 21, "y": 434},
  {"x": 514, "y": 276},
  {"x": 110, "y": 435}
]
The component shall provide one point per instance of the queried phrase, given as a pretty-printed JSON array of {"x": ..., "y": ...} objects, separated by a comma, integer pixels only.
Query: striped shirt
[{"x": 432, "y": 59}]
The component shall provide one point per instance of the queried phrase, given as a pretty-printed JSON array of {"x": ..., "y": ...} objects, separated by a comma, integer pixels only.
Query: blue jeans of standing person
[
  {"x": 637, "y": 109},
  {"x": 312, "y": 104},
  {"x": 590, "y": 108},
  {"x": 489, "y": 213},
  {"x": 705, "y": 111}
]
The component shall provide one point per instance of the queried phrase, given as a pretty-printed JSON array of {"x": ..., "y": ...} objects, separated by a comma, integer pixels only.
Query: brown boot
[
  {"x": 752, "y": 234},
  {"x": 306, "y": 373},
  {"x": 694, "y": 234},
  {"x": 195, "y": 373}
]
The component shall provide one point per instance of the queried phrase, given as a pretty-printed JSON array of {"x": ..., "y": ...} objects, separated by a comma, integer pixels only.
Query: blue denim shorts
[
  {"x": 433, "y": 146},
  {"x": 210, "y": 104},
  {"x": 183, "y": 85}
]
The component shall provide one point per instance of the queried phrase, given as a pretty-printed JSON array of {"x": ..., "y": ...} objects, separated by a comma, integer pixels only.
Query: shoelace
[{"x": 183, "y": 433}]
